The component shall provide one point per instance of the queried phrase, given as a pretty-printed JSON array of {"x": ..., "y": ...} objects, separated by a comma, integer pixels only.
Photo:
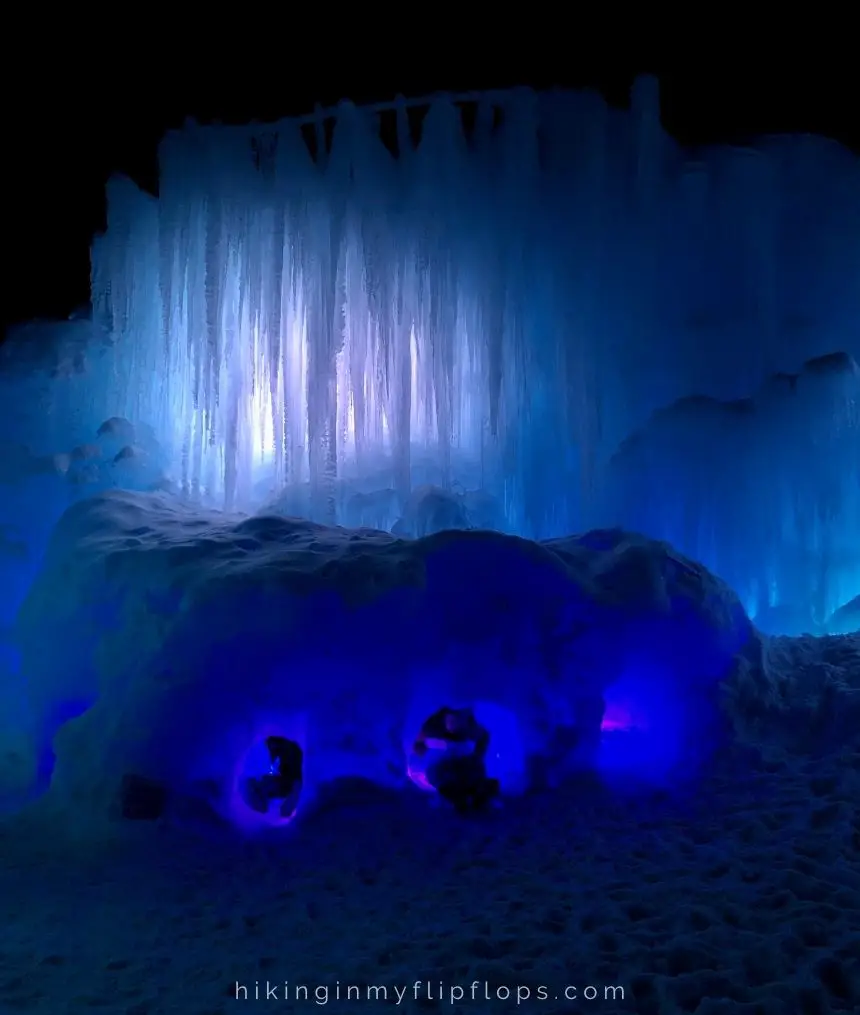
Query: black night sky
[{"x": 63, "y": 142}]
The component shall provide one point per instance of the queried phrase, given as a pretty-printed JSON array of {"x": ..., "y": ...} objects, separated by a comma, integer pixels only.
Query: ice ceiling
[{"x": 553, "y": 304}]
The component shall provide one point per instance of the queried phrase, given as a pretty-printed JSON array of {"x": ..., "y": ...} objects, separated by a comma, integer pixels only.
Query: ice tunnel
[
  {"x": 261, "y": 791},
  {"x": 276, "y": 658}
]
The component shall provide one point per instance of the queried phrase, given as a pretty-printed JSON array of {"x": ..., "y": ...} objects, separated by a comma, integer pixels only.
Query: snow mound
[
  {"x": 809, "y": 699},
  {"x": 162, "y": 642}
]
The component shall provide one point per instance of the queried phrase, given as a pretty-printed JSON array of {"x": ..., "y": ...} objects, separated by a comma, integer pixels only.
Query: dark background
[{"x": 63, "y": 141}]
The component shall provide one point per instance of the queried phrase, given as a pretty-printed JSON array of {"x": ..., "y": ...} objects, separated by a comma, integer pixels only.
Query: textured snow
[
  {"x": 354, "y": 635},
  {"x": 743, "y": 898}
]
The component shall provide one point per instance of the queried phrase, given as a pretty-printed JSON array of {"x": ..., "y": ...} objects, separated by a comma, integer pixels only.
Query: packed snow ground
[
  {"x": 739, "y": 895},
  {"x": 743, "y": 900}
]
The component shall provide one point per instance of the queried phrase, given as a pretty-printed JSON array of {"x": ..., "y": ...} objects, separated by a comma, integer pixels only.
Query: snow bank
[
  {"x": 809, "y": 699},
  {"x": 180, "y": 639}
]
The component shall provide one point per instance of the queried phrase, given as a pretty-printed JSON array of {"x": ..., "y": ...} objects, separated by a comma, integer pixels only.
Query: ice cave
[{"x": 502, "y": 404}]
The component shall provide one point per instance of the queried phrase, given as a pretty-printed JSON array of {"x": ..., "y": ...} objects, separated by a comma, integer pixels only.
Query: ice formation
[
  {"x": 539, "y": 316},
  {"x": 771, "y": 479},
  {"x": 301, "y": 314},
  {"x": 233, "y": 624},
  {"x": 846, "y": 619}
]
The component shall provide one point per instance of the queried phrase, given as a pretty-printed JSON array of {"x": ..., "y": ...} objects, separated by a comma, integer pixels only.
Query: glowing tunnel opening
[
  {"x": 623, "y": 716},
  {"x": 504, "y": 760},
  {"x": 268, "y": 780},
  {"x": 646, "y": 729}
]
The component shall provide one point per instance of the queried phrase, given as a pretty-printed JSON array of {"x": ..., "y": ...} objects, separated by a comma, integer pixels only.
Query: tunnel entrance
[
  {"x": 653, "y": 731},
  {"x": 271, "y": 780},
  {"x": 142, "y": 799},
  {"x": 449, "y": 756}
]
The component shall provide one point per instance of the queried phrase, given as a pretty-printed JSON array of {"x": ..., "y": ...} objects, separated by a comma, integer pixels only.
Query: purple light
[
  {"x": 619, "y": 717},
  {"x": 643, "y": 727},
  {"x": 417, "y": 775}
]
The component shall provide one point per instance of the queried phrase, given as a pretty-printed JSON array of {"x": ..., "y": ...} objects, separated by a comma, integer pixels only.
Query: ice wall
[
  {"x": 495, "y": 309},
  {"x": 766, "y": 489},
  {"x": 507, "y": 301}
]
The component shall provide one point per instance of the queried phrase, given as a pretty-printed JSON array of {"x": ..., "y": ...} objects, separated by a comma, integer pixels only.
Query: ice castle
[{"x": 512, "y": 311}]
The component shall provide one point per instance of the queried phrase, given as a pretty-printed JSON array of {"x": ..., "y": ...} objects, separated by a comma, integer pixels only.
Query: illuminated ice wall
[{"x": 508, "y": 303}]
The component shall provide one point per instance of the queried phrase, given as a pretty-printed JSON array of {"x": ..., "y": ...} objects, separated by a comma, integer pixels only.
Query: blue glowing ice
[{"x": 557, "y": 310}]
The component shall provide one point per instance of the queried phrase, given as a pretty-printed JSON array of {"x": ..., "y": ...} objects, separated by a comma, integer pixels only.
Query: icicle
[{"x": 504, "y": 309}]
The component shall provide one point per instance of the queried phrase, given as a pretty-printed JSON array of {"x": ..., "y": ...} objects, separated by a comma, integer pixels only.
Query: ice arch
[
  {"x": 506, "y": 759},
  {"x": 254, "y": 764}
]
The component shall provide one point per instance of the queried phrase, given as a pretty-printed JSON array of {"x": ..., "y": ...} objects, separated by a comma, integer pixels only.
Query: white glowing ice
[
  {"x": 508, "y": 302},
  {"x": 545, "y": 309}
]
